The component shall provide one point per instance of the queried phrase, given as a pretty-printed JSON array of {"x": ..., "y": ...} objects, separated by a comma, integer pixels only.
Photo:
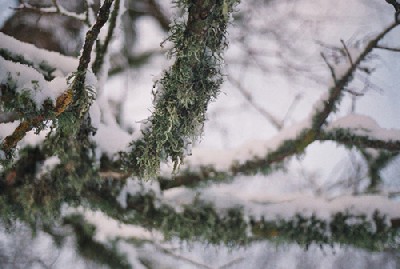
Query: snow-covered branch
[
  {"x": 28, "y": 54},
  {"x": 259, "y": 156},
  {"x": 363, "y": 132},
  {"x": 39, "y": 90},
  {"x": 56, "y": 9},
  {"x": 306, "y": 220}
]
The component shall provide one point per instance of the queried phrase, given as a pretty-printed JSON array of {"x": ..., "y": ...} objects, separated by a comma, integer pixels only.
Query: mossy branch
[
  {"x": 81, "y": 100},
  {"x": 62, "y": 102},
  {"x": 290, "y": 147},
  {"x": 183, "y": 94},
  {"x": 76, "y": 95},
  {"x": 231, "y": 227},
  {"x": 346, "y": 137},
  {"x": 92, "y": 249}
]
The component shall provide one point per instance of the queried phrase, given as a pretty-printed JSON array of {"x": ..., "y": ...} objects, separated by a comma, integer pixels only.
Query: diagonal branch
[
  {"x": 278, "y": 124},
  {"x": 262, "y": 156},
  {"x": 101, "y": 49}
]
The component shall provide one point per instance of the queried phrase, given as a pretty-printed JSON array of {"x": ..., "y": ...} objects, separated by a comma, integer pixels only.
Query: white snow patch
[
  {"x": 29, "y": 80},
  {"x": 108, "y": 228},
  {"x": 364, "y": 126},
  {"x": 285, "y": 206},
  {"x": 48, "y": 165},
  {"x": 63, "y": 64},
  {"x": 112, "y": 139},
  {"x": 135, "y": 186},
  {"x": 7, "y": 129}
]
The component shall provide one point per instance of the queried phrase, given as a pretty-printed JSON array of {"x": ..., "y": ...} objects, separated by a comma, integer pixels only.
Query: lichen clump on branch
[{"x": 183, "y": 94}]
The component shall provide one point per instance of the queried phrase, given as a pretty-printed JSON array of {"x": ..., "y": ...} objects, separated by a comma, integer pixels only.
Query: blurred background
[{"x": 274, "y": 74}]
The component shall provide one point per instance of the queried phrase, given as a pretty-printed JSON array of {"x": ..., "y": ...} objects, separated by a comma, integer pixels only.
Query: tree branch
[
  {"x": 346, "y": 137},
  {"x": 272, "y": 152},
  {"x": 101, "y": 49},
  {"x": 56, "y": 9},
  {"x": 388, "y": 48},
  {"x": 365, "y": 230},
  {"x": 278, "y": 124},
  {"x": 183, "y": 94},
  {"x": 44, "y": 68},
  {"x": 73, "y": 95}
]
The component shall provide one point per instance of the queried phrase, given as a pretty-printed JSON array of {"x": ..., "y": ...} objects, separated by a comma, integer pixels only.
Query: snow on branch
[
  {"x": 346, "y": 220},
  {"x": 56, "y": 9},
  {"x": 27, "y": 79},
  {"x": 81, "y": 98},
  {"x": 361, "y": 131},
  {"x": 37, "y": 58},
  {"x": 22, "y": 79},
  {"x": 259, "y": 156}
]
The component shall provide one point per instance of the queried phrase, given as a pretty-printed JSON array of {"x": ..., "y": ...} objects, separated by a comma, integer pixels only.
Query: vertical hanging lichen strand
[{"x": 186, "y": 89}]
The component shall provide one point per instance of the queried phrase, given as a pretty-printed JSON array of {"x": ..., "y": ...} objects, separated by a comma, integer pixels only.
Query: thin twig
[
  {"x": 388, "y": 48},
  {"x": 292, "y": 106},
  {"x": 347, "y": 52},
  {"x": 268, "y": 116},
  {"x": 331, "y": 69},
  {"x": 102, "y": 49},
  {"x": 229, "y": 264},
  {"x": 169, "y": 252}
]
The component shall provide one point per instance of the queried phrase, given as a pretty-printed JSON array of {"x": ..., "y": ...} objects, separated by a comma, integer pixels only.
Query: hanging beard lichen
[{"x": 186, "y": 89}]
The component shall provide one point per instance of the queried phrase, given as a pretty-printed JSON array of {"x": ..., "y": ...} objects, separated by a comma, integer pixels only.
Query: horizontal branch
[
  {"x": 346, "y": 137},
  {"x": 354, "y": 221},
  {"x": 57, "y": 9},
  {"x": 388, "y": 48},
  {"x": 28, "y": 54},
  {"x": 45, "y": 69}
]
